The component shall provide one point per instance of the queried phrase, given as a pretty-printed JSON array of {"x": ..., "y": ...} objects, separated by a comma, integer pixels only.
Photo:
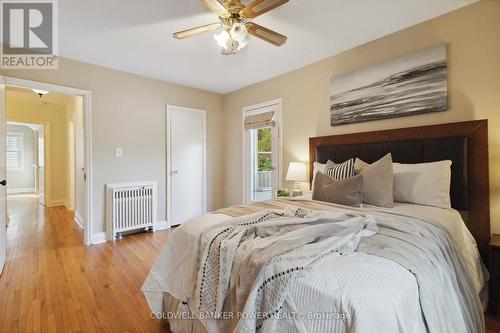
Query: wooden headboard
[{"x": 465, "y": 143}]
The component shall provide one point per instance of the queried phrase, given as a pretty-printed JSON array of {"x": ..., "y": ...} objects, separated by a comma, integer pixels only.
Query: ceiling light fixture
[
  {"x": 239, "y": 33},
  {"x": 41, "y": 92},
  {"x": 223, "y": 39},
  {"x": 236, "y": 24}
]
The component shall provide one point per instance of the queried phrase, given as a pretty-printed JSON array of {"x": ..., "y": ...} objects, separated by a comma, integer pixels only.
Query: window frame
[
  {"x": 247, "y": 156},
  {"x": 20, "y": 152}
]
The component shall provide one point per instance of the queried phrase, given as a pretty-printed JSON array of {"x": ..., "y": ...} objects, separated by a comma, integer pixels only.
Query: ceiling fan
[{"x": 235, "y": 23}]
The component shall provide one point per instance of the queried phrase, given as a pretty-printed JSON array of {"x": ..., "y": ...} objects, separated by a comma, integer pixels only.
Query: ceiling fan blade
[
  {"x": 266, "y": 34},
  {"x": 217, "y": 8},
  {"x": 260, "y": 7},
  {"x": 197, "y": 30}
]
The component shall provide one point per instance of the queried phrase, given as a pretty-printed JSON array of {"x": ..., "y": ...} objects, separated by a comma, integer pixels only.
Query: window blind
[{"x": 260, "y": 120}]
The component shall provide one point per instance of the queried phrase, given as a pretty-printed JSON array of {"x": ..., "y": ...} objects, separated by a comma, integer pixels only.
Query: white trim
[
  {"x": 87, "y": 114},
  {"x": 161, "y": 225},
  {"x": 78, "y": 221},
  {"x": 21, "y": 190},
  {"x": 98, "y": 238},
  {"x": 273, "y": 105},
  {"x": 169, "y": 161}
]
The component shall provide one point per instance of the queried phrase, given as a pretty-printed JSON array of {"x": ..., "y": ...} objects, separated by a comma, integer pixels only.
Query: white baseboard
[
  {"x": 161, "y": 225},
  {"x": 98, "y": 237},
  {"x": 54, "y": 203},
  {"x": 68, "y": 207},
  {"x": 21, "y": 190},
  {"x": 78, "y": 220}
]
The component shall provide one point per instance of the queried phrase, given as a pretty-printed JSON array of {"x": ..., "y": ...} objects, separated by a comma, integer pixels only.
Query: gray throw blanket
[{"x": 258, "y": 256}]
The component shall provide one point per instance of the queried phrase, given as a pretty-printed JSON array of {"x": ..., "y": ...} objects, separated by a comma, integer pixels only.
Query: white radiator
[{"x": 130, "y": 207}]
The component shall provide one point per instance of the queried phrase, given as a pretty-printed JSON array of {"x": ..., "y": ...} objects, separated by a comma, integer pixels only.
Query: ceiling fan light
[
  {"x": 239, "y": 32},
  {"x": 223, "y": 39},
  {"x": 242, "y": 44}
]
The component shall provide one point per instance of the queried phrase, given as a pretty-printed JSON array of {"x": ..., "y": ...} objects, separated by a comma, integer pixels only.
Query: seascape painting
[{"x": 412, "y": 84}]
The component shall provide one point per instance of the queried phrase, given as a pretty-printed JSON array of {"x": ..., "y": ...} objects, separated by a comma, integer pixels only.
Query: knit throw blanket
[{"x": 248, "y": 264}]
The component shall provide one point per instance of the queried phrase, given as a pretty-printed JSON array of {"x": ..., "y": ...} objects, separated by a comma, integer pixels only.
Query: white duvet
[{"x": 370, "y": 293}]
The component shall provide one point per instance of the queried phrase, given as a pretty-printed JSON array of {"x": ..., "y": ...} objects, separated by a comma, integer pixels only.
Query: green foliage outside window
[{"x": 264, "y": 148}]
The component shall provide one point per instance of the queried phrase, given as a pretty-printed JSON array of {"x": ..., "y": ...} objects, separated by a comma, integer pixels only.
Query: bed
[{"x": 409, "y": 268}]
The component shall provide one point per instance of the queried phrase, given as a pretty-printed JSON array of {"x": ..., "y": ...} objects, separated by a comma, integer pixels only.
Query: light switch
[{"x": 118, "y": 152}]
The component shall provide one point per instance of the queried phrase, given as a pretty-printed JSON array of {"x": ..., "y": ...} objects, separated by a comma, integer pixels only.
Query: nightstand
[{"x": 494, "y": 268}]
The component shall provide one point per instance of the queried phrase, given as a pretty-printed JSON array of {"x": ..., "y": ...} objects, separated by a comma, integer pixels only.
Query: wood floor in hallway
[{"x": 53, "y": 283}]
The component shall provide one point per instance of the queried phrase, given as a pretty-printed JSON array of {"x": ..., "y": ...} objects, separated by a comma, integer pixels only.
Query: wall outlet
[{"x": 119, "y": 152}]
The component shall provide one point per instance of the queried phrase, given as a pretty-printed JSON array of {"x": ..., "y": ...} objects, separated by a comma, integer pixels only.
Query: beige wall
[
  {"x": 31, "y": 110},
  {"x": 472, "y": 37},
  {"x": 128, "y": 111}
]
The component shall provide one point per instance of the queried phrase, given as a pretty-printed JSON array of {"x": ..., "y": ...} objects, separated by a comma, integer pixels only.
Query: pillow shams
[
  {"x": 340, "y": 171},
  {"x": 344, "y": 192},
  {"x": 423, "y": 183},
  {"x": 378, "y": 180}
]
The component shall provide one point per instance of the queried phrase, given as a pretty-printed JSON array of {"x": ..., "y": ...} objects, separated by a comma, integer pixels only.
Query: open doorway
[
  {"x": 51, "y": 151},
  {"x": 25, "y": 159}
]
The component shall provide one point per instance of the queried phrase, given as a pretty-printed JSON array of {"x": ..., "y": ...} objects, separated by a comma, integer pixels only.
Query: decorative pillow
[
  {"x": 344, "y": 192},
  {"x": 378, "y": 180},
  {"x": 317, "y": 167},
  {"x": 340, "y": 171},
  {"x": 424, "y": 183}
]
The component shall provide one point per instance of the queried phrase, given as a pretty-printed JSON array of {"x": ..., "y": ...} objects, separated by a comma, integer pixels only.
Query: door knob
[
  {"x": 3, "y": 183},
  {"x": 175, "y": 172}
]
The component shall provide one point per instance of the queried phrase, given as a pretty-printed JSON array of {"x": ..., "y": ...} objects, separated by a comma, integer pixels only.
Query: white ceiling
[{"x": 135, "y": 36}]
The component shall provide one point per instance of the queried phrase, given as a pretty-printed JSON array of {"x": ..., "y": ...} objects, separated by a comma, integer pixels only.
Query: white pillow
[
  {"x": 425, "y": 184},
  {"x": 318, "y": 167}
]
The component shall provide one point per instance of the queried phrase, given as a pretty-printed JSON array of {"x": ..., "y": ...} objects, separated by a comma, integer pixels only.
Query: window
[
  {"x": 262, "y": 158},
  {"x": 15, "y": 151},
  {"x": 262, "y": 166}
]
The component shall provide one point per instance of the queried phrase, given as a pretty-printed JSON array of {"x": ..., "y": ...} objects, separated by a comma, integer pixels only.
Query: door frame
[
  {"x": 47, "y": 152},
  {"x": 168, "y": 122},
  {"x": 87, "y": 119},
  {"x": 276, "y": 106}
]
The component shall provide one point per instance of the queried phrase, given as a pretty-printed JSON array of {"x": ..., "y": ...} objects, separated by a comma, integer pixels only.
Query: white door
[
  {"x": 3, "y": 175},
  {"x": 186, "y": 167},
  {"x": 41, "y": 165}
]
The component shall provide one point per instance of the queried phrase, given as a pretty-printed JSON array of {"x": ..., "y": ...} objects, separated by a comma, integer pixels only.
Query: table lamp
[{"x": 297, "y": 172}]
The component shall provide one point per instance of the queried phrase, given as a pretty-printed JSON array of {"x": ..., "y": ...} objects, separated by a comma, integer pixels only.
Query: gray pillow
[
  {"x": 378, "y": 179},
  {"x": 344, "y": 192}
]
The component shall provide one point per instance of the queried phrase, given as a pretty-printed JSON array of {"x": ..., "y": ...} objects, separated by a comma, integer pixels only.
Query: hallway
[{"x": 53, "y": 283}]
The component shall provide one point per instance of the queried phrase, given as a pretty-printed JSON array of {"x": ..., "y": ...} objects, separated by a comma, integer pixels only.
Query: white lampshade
[{"x": 297, "y": 172}]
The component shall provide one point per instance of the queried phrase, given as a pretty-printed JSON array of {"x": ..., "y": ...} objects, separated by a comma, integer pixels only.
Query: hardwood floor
[{"x": 53, "y": 283}]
